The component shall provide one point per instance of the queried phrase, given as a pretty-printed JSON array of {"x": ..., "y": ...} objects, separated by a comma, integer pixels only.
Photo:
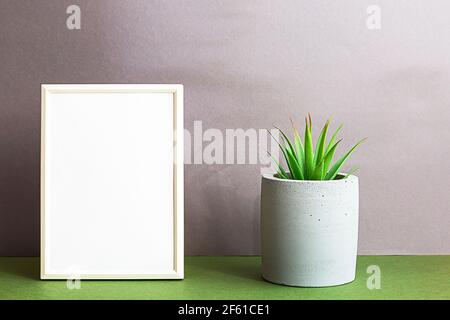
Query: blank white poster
[{"x": 110, "y": 182}]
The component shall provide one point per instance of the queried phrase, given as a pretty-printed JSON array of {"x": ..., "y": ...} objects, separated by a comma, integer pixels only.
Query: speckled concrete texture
[{"x": 309, "y": 231}]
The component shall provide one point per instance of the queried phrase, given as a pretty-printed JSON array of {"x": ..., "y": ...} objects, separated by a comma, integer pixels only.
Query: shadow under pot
[{"x": 309, "y": 231}]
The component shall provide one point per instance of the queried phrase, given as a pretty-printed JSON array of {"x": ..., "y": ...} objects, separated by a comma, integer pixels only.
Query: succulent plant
[{"x": 304, "y": 162}]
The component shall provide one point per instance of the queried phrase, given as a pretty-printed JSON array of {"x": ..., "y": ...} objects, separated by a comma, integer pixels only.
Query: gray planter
[{"x": 309, "y": 231}]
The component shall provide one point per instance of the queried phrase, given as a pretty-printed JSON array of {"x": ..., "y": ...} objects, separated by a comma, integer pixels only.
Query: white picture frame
[{"x": 112, "y": 190}]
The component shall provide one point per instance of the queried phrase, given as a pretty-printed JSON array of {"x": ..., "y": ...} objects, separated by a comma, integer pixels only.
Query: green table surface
[{"x": 402, "y": 277}]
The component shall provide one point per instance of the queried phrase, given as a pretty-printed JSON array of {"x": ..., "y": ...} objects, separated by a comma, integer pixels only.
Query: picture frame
[{"x": 112, "y": 190}]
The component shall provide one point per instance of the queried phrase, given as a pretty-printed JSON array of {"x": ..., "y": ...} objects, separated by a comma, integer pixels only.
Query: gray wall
[{"x": 248, "y": 64}]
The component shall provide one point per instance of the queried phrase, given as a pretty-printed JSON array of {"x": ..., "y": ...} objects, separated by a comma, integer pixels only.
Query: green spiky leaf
[
  {"x": 337, "y": 166},
  {"x": 329, "y": 157},
  {"x": 299, "y": 148},
  {"x": 333, "y": 138},
  {"x": 281, "y": 172},
  {"x": 309, "y": 153},
  {"x": 317, "y": 174},
  {"x": 319, "y": 153}
]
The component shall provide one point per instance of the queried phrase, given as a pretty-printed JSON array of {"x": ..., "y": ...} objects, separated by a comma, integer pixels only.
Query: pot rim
[{"x": 271, "y": 176}]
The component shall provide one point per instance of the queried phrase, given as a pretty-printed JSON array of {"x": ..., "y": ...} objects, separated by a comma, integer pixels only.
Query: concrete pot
[{"x": 309, "y": 231}]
